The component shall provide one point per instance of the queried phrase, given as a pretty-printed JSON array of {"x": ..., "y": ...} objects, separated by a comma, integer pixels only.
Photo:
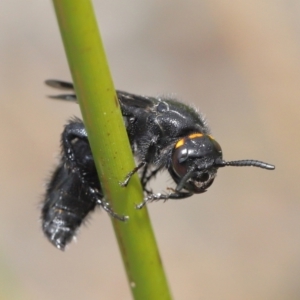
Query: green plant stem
[{"x": 111, "y": 150}]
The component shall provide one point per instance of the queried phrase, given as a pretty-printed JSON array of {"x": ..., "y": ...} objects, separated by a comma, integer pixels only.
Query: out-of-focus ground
[{"x": 239, "y": 63}]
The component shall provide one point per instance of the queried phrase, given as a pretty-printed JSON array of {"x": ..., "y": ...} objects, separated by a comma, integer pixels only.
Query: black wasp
[{"x": 163, "y": 133}]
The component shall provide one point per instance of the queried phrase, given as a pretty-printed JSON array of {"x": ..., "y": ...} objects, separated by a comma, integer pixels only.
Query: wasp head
[
  {"x": 193, "y": 164},
  {"x": 196, "y": 159}
]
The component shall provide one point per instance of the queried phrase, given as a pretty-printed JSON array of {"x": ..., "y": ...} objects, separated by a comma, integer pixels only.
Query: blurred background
[{"x": 239, "y": 63}]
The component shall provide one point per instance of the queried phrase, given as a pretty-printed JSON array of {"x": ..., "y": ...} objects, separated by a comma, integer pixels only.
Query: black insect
[{"x": 163, "y": 133}]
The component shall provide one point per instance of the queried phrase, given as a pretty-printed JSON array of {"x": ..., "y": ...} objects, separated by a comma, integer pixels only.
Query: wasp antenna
[
  {"x": 184, "y": 179},
  {"x": 248, "y": 163}
]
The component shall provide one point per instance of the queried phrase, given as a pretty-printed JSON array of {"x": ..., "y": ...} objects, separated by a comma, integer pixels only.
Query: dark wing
[
  {"x": 135, "y": 101},
  {"x": 62, "y": 85},
  {"x": 126, "y": 99}
]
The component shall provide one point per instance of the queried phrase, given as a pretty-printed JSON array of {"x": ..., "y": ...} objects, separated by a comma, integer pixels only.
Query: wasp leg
[
  {"x": 131, "y": 173},
  {"x": 146, "y": 178},
  {"x": 106, "y": 207},
  {"x": 144, "y": 163},
  {"x": 79, "y": 155},
  {"x": 159, "y": 196}
]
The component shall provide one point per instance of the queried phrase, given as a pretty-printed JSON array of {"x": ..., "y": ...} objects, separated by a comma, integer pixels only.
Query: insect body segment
[
  {"x": 74, "y": 189},
  {"x": 164, "y": 134}
]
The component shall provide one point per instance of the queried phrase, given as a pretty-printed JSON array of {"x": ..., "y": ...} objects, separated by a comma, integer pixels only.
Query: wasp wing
[
  {"x": 126, "y": 99},
  {"x": 62, "y": 85},
  {"x": 58, "y": 84}
]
